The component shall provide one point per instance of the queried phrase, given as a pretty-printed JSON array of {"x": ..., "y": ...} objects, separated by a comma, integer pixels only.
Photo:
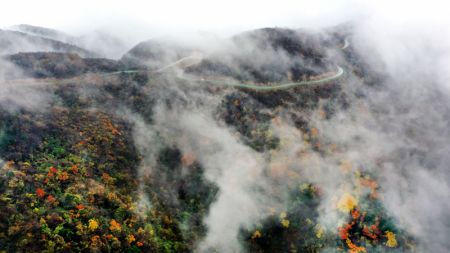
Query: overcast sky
[
  {"x": 193, "y": 14},
  {"x": 165, "y": 16}
]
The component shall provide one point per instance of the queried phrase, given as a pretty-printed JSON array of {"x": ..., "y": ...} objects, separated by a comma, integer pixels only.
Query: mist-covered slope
[
  {"x": 172, "y": 157},
  {"x": 60, "y": 65},
  {"x": 270, "y": 55},
  {"x": 42, "y": 32},
  {"x": 12, "y": 42},
  {"x": 156, "y": 53},
  {"x": 102, "y": 43}
]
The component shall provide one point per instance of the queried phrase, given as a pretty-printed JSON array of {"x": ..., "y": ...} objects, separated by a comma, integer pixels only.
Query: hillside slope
[
  {"x": 150, "y": 161},
  {"x": 12, "y": 42}
]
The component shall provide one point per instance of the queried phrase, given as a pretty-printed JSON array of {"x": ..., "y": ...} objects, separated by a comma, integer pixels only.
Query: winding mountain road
[
  {"x": 339, "y": 72},
  {"x": 189, "y": 61}
]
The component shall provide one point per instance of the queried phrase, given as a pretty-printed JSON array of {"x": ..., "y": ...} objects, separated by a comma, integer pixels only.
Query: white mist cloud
[
  {"x": 15, "y": 95},
  {"x": 150, "y": 18}
]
